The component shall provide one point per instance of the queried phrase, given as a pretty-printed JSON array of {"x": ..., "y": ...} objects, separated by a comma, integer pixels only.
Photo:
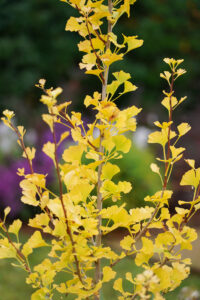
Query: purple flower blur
[{"x": 10, "y": 191}]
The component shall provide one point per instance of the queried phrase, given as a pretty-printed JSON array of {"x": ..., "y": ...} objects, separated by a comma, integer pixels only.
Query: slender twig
[
  {"x": 101, "y": 150},
  {"x": 30, "y": 164},
  {"x": 169, "y": 131},
  {"x": 95, "y": 52},
  {"x": 22, "y": 146},
  {"x": 97, "y": 33},
  {"x": 66, "y": 118},
  {"x": 134, "y": 296},
  {"x": 19, "y": 253},
  {"x": 145, "y": 228},
  {"x": 69, "y": 232}
]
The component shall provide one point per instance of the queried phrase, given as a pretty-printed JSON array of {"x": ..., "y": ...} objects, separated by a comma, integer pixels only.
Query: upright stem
[
  {"x": 169, "y": 132},
  {"x": 101, "y": 150},
  {"x": 69, "y": 231},
  {"x": 30, "y": 166}
]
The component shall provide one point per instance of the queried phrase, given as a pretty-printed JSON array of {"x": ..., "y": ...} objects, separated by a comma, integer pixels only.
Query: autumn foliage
[{"x": 75, "y": 218}]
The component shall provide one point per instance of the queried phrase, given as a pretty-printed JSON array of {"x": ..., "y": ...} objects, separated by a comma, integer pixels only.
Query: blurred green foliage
[{"x": 33, "y": 44}]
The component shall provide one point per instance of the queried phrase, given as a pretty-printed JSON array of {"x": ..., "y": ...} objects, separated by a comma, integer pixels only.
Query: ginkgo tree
[{"x": 75, "y": 218}]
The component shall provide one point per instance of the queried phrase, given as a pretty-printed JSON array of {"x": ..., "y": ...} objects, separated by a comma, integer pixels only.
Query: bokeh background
[{"x": 34, "y": 45}]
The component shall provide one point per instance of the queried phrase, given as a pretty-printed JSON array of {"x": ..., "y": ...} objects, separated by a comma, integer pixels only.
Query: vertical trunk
[{"x": 99, "y": 184}]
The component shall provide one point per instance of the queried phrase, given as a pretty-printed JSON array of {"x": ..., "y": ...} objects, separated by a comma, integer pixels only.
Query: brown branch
[
  {"x": 144, "y": 229},
  {"x": 22, "y": 146},
  {"x": 30, "y": 164},
  {"x": 69, "y": 121},
  {"x": 19, "y": 253},
  {"x": 101, "y": 150},
  {"x": 97, "y": 33},
  {"x": 69, "y": 232},
  {"x": 95, "y": 30},
  {"x": 169, "y": 131},
  {"x": 187, "y": 218},
  {"x": 134, "y": 296},
  {"x": 97, "y": 56}
]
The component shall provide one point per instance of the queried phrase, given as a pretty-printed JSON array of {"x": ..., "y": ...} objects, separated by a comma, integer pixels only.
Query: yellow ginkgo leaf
[
  {"x": 15, "y": 227},
  {"x": 108, "y": 274},
  {"x": 181, "y": 211},
  {"x": 166, "y": 75},
  {"x": 129, "y": 277},
  {"x": 6, "y": 211},
  {"x": 96, "y": 72},
  {"x": 21, "y": 130},
  {"x": 127, "y": 242},
  {"x": 113, "y": 39},
  {"x": 9, "y": 114},
  {"x": 145, "y": 253},
  {"x": 112, "y": 87},
  {"x": 35, "y": 241},
  {"x": 166, "y": 102},
  {"x": 118, "y": 285},
  {"x": 73, "y": 153},
  {"x": 84, "y": 46},
  {"x": 39, "y": 221},
  {"x": 92, "y": 101},
  {"x": 40, "y": 293},
  {"x": 124, "y": 186},
  {"x": 191, "y": 177},
  {"x": 63, "y": 136},
  {"x": 160, "y": 137},
  {"x": 49, "y": 120},
  {"x": 30, "y": 152},
  {"x": 155, "y": 168},
  {"x": 132, "y": 42},
  {"x": 109, "y": 170},
  {"x": 176, "y": 151},
  {"x": 49, "y": 150},
  {"x": 6, "y": 250},
  {"x": 122, "y": 143},
  {"x": 88, "y": 61},
  {"x": 109, "y": 58},
  {"x": 122, "y": 76},
  {"x": 129, "y": 87},
  {"x": 183, "y": 128},
  {"x": 190, "y": 162},
  {"x": 72, "y": 24}
]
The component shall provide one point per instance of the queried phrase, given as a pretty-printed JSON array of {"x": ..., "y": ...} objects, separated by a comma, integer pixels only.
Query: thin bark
[
  {"x": 30, "y": 165},
  {"x": 101, "y": 150},
  {"x": 145, "y": 228},
  {"x": 69, "y": 232},
  {"x": 19, "y": 253},
  {"x": 94, "y": 51}
]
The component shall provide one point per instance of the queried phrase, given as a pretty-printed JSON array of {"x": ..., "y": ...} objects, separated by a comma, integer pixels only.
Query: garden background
[{"x": 34, "y": 45}]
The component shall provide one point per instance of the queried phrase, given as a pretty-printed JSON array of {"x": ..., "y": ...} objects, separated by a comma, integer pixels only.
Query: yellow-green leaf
[
  {"x": 15, "y": 226},
  {"x": 191, "y": 177},
  {"x": 73, "y": 153},
  {"x": 118, "y": 285},
  {"x": 132, "y": 42},
  {"x": 109, "y": 170},
  {"x": 122, "y": 143},
  {"x": 108, "y": 274},
  {"x": 155, "y": 168},
  {"x": 127, "y": 242},
  {"x": 183, "y": 128}
]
